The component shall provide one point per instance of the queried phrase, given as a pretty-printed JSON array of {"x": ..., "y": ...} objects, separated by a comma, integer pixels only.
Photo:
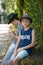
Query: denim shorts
[{"x": 21, "y": 54}]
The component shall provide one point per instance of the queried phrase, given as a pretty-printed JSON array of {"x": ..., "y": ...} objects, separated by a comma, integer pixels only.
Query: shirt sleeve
[{"x": 20, "y": 27}]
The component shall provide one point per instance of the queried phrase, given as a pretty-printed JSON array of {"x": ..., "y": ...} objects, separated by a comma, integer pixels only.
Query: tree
[
  {"x": 20, "y": 7},
  {"x": 40, "y": 2}
]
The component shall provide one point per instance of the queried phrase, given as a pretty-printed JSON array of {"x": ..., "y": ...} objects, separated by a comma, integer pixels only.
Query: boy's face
[
  {"x": 25, "y": 22},
  {"x": 15, "y": 22}
]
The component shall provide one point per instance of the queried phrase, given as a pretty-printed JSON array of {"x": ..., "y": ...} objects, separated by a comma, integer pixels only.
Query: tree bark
[
  {"x": 21, "y": 3},
  {"x": 40, "y": 2}
]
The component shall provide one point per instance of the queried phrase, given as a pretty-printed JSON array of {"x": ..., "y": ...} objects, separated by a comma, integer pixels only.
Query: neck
[{"x": 26, "y": 28}]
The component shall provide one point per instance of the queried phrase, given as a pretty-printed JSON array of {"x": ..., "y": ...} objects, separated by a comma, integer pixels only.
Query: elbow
[{"x": 33, "y": 44}]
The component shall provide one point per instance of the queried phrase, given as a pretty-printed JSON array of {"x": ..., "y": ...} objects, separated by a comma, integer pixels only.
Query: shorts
[{"x": 22, "y": 54}]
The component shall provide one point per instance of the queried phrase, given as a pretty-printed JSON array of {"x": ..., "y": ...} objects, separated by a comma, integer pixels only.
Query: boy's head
[
  {"x": 13, "y": 19},
  {"x": 26, "y": 20}
]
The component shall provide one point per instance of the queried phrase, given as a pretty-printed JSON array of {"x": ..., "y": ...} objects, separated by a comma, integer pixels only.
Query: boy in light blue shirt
[{"x": 12, "y": 46}]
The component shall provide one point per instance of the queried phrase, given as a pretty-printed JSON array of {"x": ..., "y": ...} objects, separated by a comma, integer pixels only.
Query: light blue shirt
[{"x": 20, "y": 27}]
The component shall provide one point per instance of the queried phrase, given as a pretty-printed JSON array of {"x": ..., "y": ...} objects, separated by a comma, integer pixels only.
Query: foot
[
  {"x": 2, "y": 64},
  {"x": 10, "y": 63}
]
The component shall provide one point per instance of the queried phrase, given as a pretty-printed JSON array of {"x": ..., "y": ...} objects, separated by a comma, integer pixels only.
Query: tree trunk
[
  {"x": 21, "y": 3},
  {"x": 40, "y": 2}
]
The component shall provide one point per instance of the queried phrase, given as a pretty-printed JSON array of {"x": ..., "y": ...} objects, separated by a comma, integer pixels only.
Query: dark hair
[
  {"x": 25, "y": 16},
  {"x": 17, "y": 18},
  {"x": 11, "y": 17}
]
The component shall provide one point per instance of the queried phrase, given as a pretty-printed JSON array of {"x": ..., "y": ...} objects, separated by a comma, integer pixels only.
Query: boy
[
  {"x": 16, "y": 23},
  {"x": 25, "y": 41},
  {"x": 12, "y": 24}
]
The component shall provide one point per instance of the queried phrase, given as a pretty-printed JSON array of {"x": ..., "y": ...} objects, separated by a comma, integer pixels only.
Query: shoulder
[
  {"x": 22, "y": 31},
  {"x": 10, "y": 25},
  {"x": 33, "y": 31},
  {"x": 31, "y": 28}
]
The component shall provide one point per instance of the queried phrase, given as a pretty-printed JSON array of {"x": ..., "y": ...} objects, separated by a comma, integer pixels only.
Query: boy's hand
[
  {"x": 11, "y": 34},
  {"x": 18, "y": 50}
]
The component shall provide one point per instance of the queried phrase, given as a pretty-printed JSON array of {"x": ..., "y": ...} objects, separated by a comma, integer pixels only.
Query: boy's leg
[
  {"x": 8, "y": 54},
  {"x": 20, "y": 55},
  {"x": 11, "y": 60}
]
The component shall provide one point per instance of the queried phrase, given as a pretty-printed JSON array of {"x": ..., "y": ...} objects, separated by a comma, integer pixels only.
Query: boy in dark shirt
[{"x": 25, "y": 41}]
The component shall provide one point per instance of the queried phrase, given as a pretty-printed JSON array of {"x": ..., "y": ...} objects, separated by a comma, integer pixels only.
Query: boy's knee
[
  {"x": 10, "y": 62},
  {"x": 16, "y": 59}
]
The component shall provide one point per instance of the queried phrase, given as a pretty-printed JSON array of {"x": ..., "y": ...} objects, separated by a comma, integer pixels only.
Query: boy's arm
[
  {"x": 17, "y": 44},
  {"x": 16, "y": 37}
]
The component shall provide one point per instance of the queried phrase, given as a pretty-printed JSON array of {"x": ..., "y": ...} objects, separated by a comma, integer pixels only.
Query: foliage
[{"x": 10, "y": 6}]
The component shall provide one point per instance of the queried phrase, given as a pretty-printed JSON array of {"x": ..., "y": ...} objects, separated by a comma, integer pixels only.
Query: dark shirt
[{"x": 26, "y": 38}]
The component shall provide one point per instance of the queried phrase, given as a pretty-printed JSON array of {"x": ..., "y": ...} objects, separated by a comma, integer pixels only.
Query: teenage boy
[
  {"x": 14, "y": 22},
  {"x": 25, "y": 41}
]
